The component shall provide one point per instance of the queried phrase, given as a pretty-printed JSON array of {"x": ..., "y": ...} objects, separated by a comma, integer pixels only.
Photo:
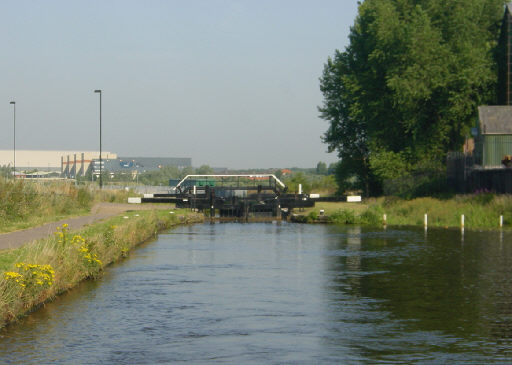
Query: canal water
[{"x": 285, "y": 294}]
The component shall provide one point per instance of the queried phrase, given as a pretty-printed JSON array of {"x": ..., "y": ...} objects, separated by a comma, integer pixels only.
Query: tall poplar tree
[{"x": 406, "y": 89}]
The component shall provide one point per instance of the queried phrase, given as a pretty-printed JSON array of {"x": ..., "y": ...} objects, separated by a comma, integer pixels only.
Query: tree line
[{"x": 405, "y": 91}]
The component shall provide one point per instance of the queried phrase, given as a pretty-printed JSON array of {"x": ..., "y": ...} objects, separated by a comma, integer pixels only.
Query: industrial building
[
  {"x": 80, "y": 164},
  {"x": 73, "y": 164},
  {"x": 137, "y": 165},
  {"x": 50, "y": 161}
]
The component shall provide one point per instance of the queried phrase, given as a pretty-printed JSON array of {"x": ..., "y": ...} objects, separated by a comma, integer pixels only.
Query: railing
[{"x": 232, "y": 180}]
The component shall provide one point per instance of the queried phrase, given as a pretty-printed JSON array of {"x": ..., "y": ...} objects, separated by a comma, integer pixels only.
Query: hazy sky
[{"x": 228, "y": 83}]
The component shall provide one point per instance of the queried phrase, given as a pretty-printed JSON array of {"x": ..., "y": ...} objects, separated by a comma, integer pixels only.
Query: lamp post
[
  {"x": 101, "y": 178},
  {"x": 14, "y": 149}
]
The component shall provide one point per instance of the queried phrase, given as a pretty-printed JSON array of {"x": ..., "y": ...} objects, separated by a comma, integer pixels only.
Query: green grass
[
  {"x": 332, "y": 207},
  {"x": 481, "y": 211}
]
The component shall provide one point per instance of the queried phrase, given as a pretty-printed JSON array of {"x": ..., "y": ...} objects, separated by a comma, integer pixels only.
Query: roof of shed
[{"x": 495, "y": 119}]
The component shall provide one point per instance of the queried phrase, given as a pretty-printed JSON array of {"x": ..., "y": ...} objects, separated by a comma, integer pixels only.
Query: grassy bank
[
  {"x": 26, "y": 204},
  {"x": 37, "y": 272},
  {"x": 481, "y": 211}
]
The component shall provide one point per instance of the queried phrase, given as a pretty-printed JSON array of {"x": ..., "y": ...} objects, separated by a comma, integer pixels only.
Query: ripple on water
[{"x": 268, "y": 293}]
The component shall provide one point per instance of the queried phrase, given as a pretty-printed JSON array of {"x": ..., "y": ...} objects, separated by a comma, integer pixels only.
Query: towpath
[{"x": 98, "y": 212}]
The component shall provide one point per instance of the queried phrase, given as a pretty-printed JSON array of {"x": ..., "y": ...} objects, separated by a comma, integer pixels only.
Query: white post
[
  {"x": 462, "y": 221},
  {"x": 501, "y": 221},
  {"x": 385, "y": 219},
  {"x": 300, "y": 189},
  {"x": 194, "y": 190},
  {"x": 425, "y": 221}
]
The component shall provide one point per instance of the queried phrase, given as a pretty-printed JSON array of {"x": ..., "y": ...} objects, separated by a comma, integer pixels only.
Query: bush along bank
[
  {"x": 481, "y": 211},
  {"x": 25, "y": 204},
  {"x": 37, "y": 272}
]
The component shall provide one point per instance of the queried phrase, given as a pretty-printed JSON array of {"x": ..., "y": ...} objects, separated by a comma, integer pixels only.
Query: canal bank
[
  {"x": 476, "y": 211},
  {"x": 39, "y": 271}
]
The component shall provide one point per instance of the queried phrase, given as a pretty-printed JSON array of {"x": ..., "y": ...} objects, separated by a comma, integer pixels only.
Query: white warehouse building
[{"x": 55, "y": 161}]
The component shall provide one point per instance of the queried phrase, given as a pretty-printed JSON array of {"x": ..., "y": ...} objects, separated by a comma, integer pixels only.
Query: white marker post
[
  {"x": 462, "y": 221},
  {"x": 425, "y": 221},
  {"x": 501, "y": 221},
  {"x": 385, "y": 219}
]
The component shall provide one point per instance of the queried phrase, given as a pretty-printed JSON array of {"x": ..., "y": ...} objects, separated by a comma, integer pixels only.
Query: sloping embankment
[{"x": 35, "y": 273}]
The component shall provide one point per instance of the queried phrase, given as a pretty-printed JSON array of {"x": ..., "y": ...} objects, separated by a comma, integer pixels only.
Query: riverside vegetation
[
  {"x": 26, "y": 204},
  {"x": 37, "y": 272},
  {"x": 481, "y": 211}
]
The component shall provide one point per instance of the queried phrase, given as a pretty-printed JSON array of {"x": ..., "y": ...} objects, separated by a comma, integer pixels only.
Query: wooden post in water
[
  {"x": 385, "y": 219},
  {"x": 462, "y": 221},
  {"x": 501, "y": 221},
  {"x": 425, "y": 221}
]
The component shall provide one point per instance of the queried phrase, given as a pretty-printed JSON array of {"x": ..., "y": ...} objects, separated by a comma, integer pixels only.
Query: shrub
[
  {"x": 371, "y": 217},
  {"x": 311, "y": 217},
  {"x": 345, "y": 216}
]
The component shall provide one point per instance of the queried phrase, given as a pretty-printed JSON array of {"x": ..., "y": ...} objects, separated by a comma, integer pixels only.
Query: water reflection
[
  {"x": 285, "y": 293},
  {"x": 426, "y": 293}
]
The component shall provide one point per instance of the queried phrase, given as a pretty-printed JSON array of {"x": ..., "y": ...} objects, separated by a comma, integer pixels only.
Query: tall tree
[
  {"x": 321, "y": 168},
  {"x": 407, "y": 87}
]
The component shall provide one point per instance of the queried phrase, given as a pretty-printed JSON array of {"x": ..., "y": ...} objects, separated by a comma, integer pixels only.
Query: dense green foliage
[{"x": 406, "y": 89}]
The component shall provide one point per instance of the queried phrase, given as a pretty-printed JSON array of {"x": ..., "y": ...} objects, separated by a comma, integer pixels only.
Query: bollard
[
  {"x": 462, "y": 221},
  {"x": 501, "y": 221}
]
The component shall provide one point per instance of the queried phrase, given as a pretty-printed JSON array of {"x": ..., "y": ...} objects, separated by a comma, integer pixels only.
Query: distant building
[
  {"x": 78, "y": 164},
  {"x": 73, "y": 164},
  {"x": 67, "y": 163},
  {"x": 136, "y": 165}
]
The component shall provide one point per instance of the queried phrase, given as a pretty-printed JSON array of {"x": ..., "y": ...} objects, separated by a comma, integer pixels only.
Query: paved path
[{"x": 98, "y": 213}]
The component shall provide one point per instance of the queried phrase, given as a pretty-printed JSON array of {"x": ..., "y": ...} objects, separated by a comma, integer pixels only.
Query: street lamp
[
  {"x": 14, "y": 149},
  {"x": 101, "y": 179}
]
